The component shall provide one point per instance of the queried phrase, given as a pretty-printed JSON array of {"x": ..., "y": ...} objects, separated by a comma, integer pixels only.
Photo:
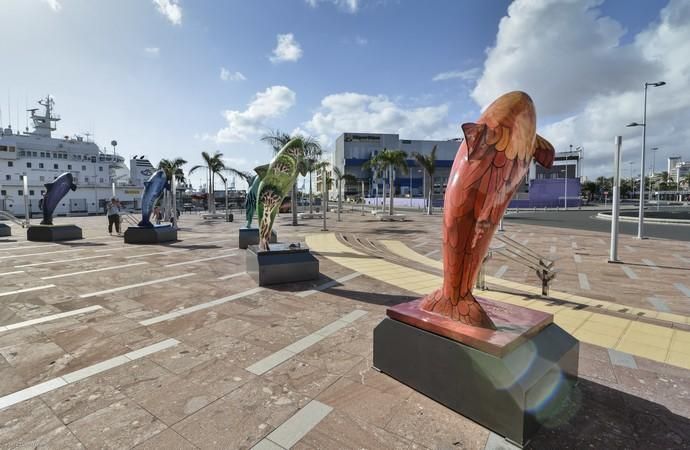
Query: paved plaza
[{"x": 107, "y": 345}]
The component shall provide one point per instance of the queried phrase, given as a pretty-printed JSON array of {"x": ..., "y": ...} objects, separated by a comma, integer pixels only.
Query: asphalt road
[{"x": 586, "y": 220}]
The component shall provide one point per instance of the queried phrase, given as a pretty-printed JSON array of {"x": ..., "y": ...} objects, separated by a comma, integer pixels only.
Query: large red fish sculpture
[{"x": 492, "y": 160}]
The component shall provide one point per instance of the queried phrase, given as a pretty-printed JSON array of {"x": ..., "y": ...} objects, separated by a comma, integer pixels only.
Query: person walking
[
  {"x": 157, "y": 215},
  {"x": 113, "y": 211}
]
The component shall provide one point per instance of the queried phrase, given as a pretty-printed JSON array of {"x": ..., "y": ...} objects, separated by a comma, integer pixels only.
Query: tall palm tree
[
  {"x": 375, "y": 165},
  {"x": 341, "y": 177},
  {"x": 313, "y": 165},
  {"x": 428, "y": 163},
  {"x": 172, "y": 168},
  {"x": 310, "y": 149},
  {"x": 214, "y": 165},
  {"x": 391, "y": 160}
]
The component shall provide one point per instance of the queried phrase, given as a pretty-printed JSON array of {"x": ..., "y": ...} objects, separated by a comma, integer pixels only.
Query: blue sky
[{"x": 172, "y": 78}]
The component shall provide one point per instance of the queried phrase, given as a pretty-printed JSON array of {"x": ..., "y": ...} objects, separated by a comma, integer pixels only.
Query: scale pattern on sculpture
[
  {"x": 488, "y": 168},
  {"x": 275, "y": 185}
]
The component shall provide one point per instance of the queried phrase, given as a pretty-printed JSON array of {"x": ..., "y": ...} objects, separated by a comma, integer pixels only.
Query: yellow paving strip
[
  {"x": 663, "y": 344},
  {"x": 406, "y": 252}
]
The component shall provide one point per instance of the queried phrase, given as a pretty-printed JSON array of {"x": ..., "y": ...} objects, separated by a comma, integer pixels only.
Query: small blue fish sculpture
[
  {"x": 55, "y": 191},
  {"x": 152, "y": 191}
]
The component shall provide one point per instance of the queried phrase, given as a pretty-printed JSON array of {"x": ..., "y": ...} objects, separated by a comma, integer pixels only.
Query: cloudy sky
[{"x": 174, "y": 77}]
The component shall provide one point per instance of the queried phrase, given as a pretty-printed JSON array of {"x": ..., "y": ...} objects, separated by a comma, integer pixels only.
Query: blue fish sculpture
[
  {"x": 55, "y": 191},
  {"x": 152, "y": 191}
]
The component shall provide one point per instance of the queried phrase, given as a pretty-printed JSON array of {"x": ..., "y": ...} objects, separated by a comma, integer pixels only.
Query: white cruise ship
[{"x": 41, "y": 158}]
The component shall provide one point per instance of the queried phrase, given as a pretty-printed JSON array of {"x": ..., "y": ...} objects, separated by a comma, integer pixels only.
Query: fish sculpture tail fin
[
  {"x": 544, "y": 152},
  {"x": 466, "y": 309}
]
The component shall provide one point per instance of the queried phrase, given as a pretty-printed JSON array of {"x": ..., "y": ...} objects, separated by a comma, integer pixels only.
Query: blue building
[
  {"x": 541, "y": 187},
  {"x": 352, "y": 150}
]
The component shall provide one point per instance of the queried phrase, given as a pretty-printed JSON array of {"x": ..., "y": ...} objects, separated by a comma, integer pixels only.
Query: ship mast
[{"x": 44, "y": 124}]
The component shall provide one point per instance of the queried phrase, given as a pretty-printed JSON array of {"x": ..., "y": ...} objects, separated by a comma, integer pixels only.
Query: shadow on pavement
[{"x": 600, "y": 417}]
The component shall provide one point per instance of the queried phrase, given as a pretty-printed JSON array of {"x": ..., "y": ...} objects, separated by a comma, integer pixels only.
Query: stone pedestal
[
  {"x": 281, "y": 264},
  {"x": 5, "y": 230},
  {"x": 150, "y": 235},
  {"x": 53, "y": 233},
  {"x": 510, "y": 380},
  {"x": 250, "y": 236}
]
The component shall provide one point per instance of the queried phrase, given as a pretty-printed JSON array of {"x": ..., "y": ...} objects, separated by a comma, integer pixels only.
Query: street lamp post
[{"x": 640, "y": 223}]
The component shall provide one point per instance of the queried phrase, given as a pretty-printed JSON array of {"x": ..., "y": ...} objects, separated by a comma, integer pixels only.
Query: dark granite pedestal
[
  {"x": 510, "y": 380},
  {"x": 5, "y": 230},
  {"x": 281, "y": 264},
  {"x": 250, "y": 236},
  {"x": 53, "y": 233},
  {"x": 150, "y": 235}
]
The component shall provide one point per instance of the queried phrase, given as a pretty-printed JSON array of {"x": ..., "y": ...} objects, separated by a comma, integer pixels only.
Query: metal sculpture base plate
[
  {"x": 150, "y": 235},
  {"x": 53, "y": 233},
  {"x": 281, "y": 264},
  {"x": 250, "y": 236},
  {"x": 5, "y": 230},
  {"x": 511, "y": 389}
]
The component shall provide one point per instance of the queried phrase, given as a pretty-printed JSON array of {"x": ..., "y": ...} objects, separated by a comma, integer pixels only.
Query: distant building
[
  {"x": 671, "y": 166},
  {"x": 352, "y": 150},
  {"x": 678, "y": 169},
  {"x": 541, "y": 187}
]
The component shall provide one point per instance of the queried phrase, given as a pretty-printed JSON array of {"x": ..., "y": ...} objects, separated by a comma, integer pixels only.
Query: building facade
[
  {"x": 353, "y": 150},
  {"x": 541, "y": 187}
]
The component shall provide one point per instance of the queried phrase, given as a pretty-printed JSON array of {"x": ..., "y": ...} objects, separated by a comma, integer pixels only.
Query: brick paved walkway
[{"x": 104, "y": 345}]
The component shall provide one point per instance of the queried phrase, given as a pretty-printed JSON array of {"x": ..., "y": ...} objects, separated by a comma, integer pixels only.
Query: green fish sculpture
[
  {"x": 250, "y": 201},
  {"x": 275, "y": 185}
]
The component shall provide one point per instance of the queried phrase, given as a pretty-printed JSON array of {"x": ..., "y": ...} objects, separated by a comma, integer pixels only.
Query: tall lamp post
[{"x": 640, "y": 222}]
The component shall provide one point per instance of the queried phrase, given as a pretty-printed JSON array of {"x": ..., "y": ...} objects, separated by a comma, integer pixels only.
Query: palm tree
[
  {"x": 312, "y": 165},
  {"x": 339, "y": 178},
  {"x": 376, "y": 167},
  {"x": 391, "y": 160},
  {"x": 310, "y": 149},
  {"x": 172, "y": 168},
  {"x": 428, "y": 163},
  {"x": 214, "y": 165},
  {"x": 246, "y": 176}
]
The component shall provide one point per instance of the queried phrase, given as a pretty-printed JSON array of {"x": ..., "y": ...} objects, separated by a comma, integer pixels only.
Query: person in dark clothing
[{"x": 113, "y": 212}]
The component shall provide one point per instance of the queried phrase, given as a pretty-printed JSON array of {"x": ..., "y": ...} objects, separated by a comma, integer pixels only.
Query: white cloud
[
  {"x": 350, "y": 6},
  {"x": 287, "y": 49},
  {"x": 588, "y": 83},
  {"x": 152, "y": 51},
  {"x": 54, "y": 5},
  {"x": 465, "y": 75},
  {"x": 170, "y": 9},
  {"x": 244, "y": 125},
  {"x": 354, "y": 112},
  {"x": 226, "y": 75}
]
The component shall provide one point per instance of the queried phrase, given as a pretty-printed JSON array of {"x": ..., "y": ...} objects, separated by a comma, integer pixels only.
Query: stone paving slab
[{"x": 199, "y": 393}]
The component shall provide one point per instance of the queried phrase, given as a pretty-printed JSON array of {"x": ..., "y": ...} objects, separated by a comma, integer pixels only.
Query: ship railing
[{"x": 7, "y": 216}]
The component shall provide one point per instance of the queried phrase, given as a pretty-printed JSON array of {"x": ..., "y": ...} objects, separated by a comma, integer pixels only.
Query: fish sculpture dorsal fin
[
  {"x": 544, "y": 152},
  {"x": 473, "y": 134},
  {"x": 261, "y": 171}
]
